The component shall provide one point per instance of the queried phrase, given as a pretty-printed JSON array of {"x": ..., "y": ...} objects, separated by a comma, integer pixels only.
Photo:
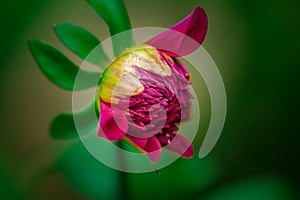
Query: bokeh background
[{"x": 256, "y": 47}]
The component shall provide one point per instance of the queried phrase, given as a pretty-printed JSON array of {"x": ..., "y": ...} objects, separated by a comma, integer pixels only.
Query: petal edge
[
  {"x": 184, "y": 37},
  {"x": 108, "y": 127},
  {"x": 181, "y": 145}
]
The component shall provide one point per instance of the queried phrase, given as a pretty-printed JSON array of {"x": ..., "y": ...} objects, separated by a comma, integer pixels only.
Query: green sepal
[
  {"x": 81, "y": 42},
  {"x": 58, "y": 68},
  {"x": 63, "y": 126},
  {"x": 115, "y": 15}
]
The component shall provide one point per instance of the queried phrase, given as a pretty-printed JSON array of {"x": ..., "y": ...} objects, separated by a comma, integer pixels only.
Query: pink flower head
[{"x": 144, "y": 92}]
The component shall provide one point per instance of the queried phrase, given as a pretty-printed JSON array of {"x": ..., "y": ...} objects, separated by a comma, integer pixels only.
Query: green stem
[{"x": 123, "y": 175}]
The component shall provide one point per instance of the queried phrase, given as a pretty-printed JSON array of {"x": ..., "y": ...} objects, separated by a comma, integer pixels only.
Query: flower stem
[
  {"x": 155, "y": 169},
  {"x": 123, "y": 178}
]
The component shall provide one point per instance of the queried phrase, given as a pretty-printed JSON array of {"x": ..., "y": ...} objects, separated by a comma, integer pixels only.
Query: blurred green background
[{"x": 256, "y": 47}]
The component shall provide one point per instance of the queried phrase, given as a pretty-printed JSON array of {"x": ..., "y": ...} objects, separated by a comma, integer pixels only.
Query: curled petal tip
[
  {"x": 184, "y": 37},
  {"x": 189, "y": 153},
  {"x": 182, "y": 146}
]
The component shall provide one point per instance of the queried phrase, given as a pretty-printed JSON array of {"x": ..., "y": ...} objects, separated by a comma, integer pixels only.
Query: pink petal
[
  {"x": 150, "y": 146},
  {"x": 184, "y": 37},
  {"x": 181, "y": 145},
  {"x": 109, "y": 129}
]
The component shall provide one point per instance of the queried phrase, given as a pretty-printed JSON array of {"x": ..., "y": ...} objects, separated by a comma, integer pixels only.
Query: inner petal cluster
[
  {"x": 157, "y": 110},
  {"x": 146, "y": 101}
]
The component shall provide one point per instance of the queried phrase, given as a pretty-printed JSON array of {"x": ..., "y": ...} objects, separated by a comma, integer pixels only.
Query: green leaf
[
  {"x": 80, "y": 41},
  {"x": 7, "y": 189},
  {"x": 114, "y": 13},
  {"x": 88, "y": 176},
  {"x": 265, "y": 188},
  {"x": 63, "y": 125},
  {"x": 58, "y": 68},
  {"x": 177, "y": 181}
]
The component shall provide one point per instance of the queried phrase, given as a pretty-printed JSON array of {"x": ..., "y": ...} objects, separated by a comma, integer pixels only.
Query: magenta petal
[
  {"x": 184, "y": 37},
  {"x": 109, "y": 129},
  {"x": 154, "y": 149},
  {"x": 181, "y": 145},
  {"x": 150, "y": 146}
]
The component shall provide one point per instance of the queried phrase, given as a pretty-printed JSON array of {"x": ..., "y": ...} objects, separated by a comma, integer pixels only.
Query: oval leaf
[
  {"x": 115, "y": 15},
  {"x": 88, "y": 176},
  {"x": 80, "y": 41},
  {"x": 188, "y": 177},
  {"x": 63, "y": 125},
  {"x": 266, "y": 188},
  {"x": 58, "y": 68},
  {"x": 7, "y": 191}
]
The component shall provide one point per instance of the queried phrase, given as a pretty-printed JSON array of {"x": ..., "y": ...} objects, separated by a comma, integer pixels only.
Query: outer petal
[
  {"x": 150, "y": 146},
  {"x": 184, "y": 37},
  {"x": 108, "y": 128},
  {"x": 181, "y": 145}
]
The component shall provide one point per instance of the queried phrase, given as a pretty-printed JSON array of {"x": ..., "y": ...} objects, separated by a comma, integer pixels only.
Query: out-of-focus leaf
[
  {"x": 63, "y": 125},
  {"x": 177, "y": 181},
  {"x": 262, "y": 188},
  {"x": 115, "y": 15},
  {"x": 88, "y": 176},
  {"x": 80, "y": 41},
  {"x": 7, "y": 191},
  {"x": 58, "y": 68}
]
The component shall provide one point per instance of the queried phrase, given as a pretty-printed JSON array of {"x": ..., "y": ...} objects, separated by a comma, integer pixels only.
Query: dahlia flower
[{"x": 144, "y": 94}]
